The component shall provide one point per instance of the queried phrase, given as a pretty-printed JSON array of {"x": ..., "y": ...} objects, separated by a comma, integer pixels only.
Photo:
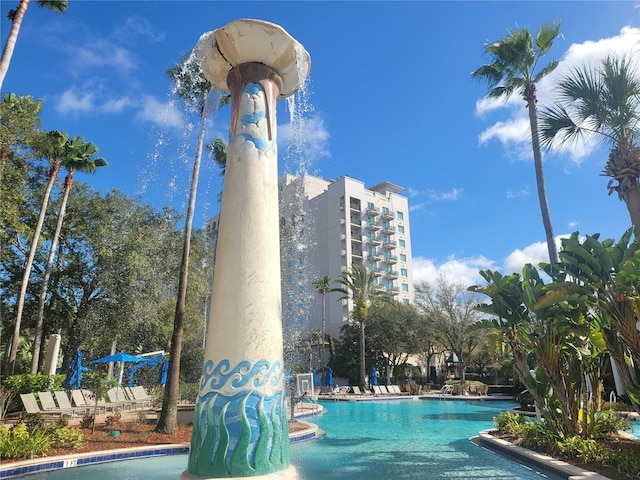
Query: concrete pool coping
[{"x": 537, "y": 461}]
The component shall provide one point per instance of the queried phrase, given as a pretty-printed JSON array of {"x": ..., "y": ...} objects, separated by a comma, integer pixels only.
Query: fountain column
[{"x": 240, "y": 424}]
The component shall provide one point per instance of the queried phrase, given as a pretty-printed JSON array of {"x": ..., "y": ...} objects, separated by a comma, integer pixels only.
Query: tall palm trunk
[
  {"x": 168, "y": 420},
  {"x": 7, "y": 52},
  {"x": 324, "y": 321},
  {"x": 37, "y": 341},
  {"x": 363, "y": 370},
  {"x": 53, "y": 173},
  {"x": 542, "y": 189}
]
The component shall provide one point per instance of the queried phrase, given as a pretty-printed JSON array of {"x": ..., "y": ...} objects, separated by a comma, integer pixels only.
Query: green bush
[
  {"x": 624, "y": 461},
  {"x": 31, "y": 437},
  {"x": 22, "y": 442},
  {"x": 189, "y": 392},
  {"x": 30, "y": 383},
  {"x": 606, "y": 424},
  {"x": 509, "y": 423}
]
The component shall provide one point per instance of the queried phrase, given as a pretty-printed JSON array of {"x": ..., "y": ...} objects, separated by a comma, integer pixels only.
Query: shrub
[
  {"x": 606, "y": 424},
  {"x": 22, "y": 442},
  {"x": 510, "y": 423},
  {"x": 31, "y": 437},
  {"x": 29, "y": 383}
]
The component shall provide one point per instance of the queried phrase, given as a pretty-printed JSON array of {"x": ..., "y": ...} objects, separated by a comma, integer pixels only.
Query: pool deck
[{"x": 309, "y": 431}]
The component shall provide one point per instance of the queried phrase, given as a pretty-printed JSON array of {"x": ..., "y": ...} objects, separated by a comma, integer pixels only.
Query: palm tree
[
  {"x": 16, "y": 15},
  {"x": 513, "y": 70},
  {"x": 359, "y": 284},
  {"x": 323, "y": 286},
  {"x": 602, "y": 101},
  {"x": 77, "y": 157},
  {"x": 53, "y": 149},
  {"x": 191, "y": 86}
]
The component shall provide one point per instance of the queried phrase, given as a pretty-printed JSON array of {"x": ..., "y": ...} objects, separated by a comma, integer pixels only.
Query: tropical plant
[
  {"x": 602, "y": 101},
  {"x": 16, "y": 15},
  {"x": 514, "y": 61},
  {"x": 53, "y": 150},
  {"x": 604, "y": 276},
  {"x": 360, "y": 286},
  {"x": 323, "y": 287}
]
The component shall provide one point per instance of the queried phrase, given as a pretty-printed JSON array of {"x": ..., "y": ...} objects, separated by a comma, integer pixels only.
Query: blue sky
[{"x": 390, "y": 97}]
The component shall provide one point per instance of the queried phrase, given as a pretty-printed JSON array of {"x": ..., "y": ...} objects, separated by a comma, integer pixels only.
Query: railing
[{"x": 372, "y": 211}]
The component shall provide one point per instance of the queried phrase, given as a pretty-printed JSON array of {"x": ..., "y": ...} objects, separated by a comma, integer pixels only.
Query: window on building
[
  {"x": 405, "y": 287},
  {"x": 401, "y": 243},
  {"x": 403, "y": 257},
  {"x": 385, "y": 210},
  {"x": 400, "y": 229},
  {"x": 370, "y": 205},
  {"x": 403, "y": 272},
  {"x": 399, "y": 215},
  {"x": 386, "y": 239}
]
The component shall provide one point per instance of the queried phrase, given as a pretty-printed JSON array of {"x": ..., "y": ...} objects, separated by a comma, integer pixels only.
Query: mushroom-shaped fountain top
[{"x": 252, "y": 41}]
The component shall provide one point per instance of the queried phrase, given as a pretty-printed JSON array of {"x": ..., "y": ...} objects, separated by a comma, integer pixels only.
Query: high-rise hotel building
[{"x": 329, "y": 225}]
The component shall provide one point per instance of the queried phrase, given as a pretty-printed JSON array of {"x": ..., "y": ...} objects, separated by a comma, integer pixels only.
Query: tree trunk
[
  {"x": 53, "y": 173},
  {"x": 632, "y": 201},
  {"x": 363, "y": 371},
  {"x": 7, "y": 52},
  {"x": 168, "y": 420},
  {"x": 542, "y": 188},
  {"x": 37, "y": 341}
]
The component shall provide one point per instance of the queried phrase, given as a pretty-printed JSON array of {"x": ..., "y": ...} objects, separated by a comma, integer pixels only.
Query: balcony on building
[
  {"x": 388, "y": 229},
  {"x": 374, "y": 256},
  {"x": 356, "y": 252},
  {"x": 387, "y": 215},
  {"x": 373, "y": 226},
  {"x": 372, "y": 211},
  {"x": 389, "y": 245},
  {"x": 390, "y": 259},
  {"x": 355, "y": 220},
  {"x": 374, "y": 240},
  {"x": 391, "y": 273}
]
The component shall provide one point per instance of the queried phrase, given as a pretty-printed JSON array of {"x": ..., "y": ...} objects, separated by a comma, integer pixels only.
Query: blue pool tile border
[{"x": 14, "y": 471}]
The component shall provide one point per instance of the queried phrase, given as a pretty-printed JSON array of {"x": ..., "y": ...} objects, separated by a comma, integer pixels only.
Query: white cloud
[
  {"x": 454, "y": 194},
  {"x": 514, "y": 132},
  {"x": 523, "y": 192},
  {"x": 466, "y": 270},
  {"x": 162, "y": 114},
  {"x": 73, "y": 101},
  {"x": 416, "y": 207},
  {"x": 463, "y": 270}
]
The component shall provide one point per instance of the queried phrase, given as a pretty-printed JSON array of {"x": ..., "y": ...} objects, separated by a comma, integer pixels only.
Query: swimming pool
[{"x": 403, "y": 440}]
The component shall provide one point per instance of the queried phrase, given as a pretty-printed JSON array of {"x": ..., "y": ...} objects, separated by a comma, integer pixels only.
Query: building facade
[{"x": 329, "y": 225}]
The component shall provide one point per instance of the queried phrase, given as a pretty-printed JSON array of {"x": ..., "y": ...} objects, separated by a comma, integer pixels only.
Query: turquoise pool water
[{"x": 400, "y": 440}]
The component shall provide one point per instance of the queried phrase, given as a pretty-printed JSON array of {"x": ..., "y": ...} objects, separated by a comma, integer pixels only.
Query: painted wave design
[
  {"x": 240, "y": 435},
  {"x": 224, "y": 376}
]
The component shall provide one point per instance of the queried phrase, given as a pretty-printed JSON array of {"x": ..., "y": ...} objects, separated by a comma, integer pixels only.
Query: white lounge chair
[
  {"x": 141, "y": 395},
  {"x": 31, "y": 406},
  {"x": 64, "y": 403}
]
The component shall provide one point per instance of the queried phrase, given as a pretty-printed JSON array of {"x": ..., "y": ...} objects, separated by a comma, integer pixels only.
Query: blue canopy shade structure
[
  {"x": 374, "y": 376},
  {"x": 164, "y": 370},
  {"x": 119, "y": 357},
  {"x": 75, "y": 371},
  {"x": 328, "y": 378},
  {"x": 144, "y": 362}
]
